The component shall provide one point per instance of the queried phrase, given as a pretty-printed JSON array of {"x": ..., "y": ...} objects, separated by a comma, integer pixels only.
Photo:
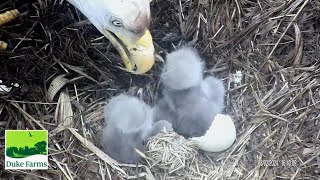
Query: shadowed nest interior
[{"x": 66, "y": 72}]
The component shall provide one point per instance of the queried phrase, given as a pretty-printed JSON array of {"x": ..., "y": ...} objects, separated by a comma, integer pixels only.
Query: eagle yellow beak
[{"x": 138, "y": 56}]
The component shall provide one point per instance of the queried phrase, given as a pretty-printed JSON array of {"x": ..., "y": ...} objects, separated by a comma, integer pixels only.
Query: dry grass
[{"x": 276, "y": 107}]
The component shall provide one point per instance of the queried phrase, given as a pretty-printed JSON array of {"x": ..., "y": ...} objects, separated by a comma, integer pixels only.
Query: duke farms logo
[{"x": 26, "y": 149}]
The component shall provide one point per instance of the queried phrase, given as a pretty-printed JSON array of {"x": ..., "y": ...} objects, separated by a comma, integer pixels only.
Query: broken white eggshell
[{"x": 219, "y": 137}]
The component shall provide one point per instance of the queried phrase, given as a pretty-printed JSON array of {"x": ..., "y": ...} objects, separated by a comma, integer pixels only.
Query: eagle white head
[{"x": 125, "y": 23}]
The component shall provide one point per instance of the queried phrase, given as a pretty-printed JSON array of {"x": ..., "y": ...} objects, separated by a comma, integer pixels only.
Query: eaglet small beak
[{"x": 138, "y": 56}]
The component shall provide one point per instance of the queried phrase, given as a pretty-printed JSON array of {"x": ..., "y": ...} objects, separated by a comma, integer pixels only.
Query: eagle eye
[{"x": 117, "y": 22}]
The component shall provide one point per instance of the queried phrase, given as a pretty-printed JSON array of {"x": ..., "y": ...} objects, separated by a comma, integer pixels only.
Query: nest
[
  {"x": 171, "y": 156},
  {"x": 170, "y": 152}
]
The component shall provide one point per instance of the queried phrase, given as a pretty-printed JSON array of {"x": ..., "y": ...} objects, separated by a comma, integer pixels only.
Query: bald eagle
[{"x": 125, "y": 23}]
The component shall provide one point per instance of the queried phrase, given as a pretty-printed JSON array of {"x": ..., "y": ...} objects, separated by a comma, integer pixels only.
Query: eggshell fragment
[{"x": 219, "y": 137}]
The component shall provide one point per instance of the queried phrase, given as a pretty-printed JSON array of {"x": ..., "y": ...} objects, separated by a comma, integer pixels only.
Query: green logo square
[{"x": 26, "y": 149}]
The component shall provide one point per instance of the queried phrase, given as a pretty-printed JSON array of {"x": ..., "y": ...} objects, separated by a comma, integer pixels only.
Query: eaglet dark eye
[{"x": 117, "y": 23}]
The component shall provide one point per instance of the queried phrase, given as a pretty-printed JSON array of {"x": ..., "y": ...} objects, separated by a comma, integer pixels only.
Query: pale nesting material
[
  {"x": 171, "y": 156},
  {"x": 237, "y": 77},
  {"x": 7, "y": 89},
  {"x": 170, "y": 151},
  {"x": 4, "y": 88},
  {"x": 56, "y": 85},
  {"x": 219, "y": 137}
]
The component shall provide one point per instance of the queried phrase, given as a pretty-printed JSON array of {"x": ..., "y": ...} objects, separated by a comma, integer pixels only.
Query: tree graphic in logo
[{"x": 21, "y": 144}]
